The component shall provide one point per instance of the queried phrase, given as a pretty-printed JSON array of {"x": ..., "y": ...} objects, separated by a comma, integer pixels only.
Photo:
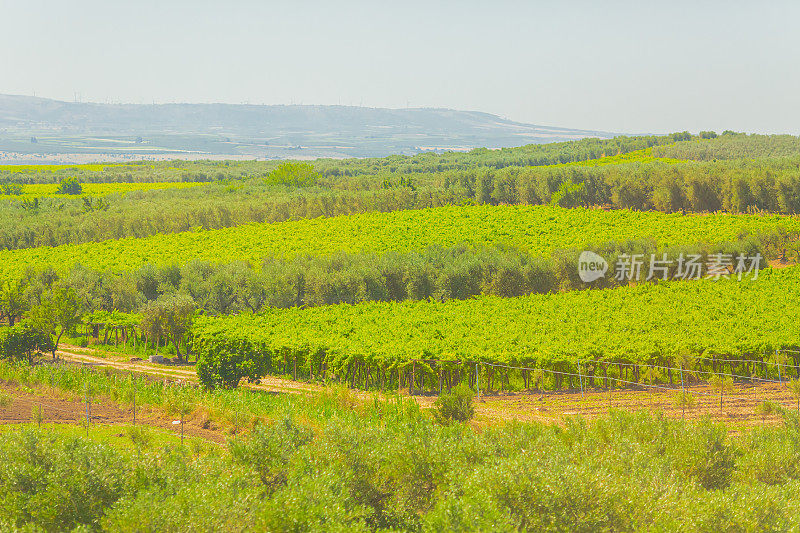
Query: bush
[
  {"x": 269, "y": 449},
  {"x": 23, "y": 341},
  {"x": 455, "y": 405},
  {"x": 221, "y": 364},
  {"x": 57, "y": 484},
  {"x": 70, "y": 185}
]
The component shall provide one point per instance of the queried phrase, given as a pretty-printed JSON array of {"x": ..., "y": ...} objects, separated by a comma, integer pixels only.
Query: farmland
[
  {"x": 539, "y": 230},
  {"x": 747, "y": 319},
  {"x": 404, "y": 343}
]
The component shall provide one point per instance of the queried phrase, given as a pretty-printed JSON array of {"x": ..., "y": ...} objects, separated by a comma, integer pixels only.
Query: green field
[
  {"x": 539, "y": 230},
  {"x": 747, "y": 319}
]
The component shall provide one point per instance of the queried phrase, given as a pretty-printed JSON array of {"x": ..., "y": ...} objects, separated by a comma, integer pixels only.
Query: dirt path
[{"x": 185, "y": 372}]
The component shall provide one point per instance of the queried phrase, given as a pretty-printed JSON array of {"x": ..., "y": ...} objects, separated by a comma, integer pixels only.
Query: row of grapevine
[
  {"x": 645, "y": 324},
  {"x": 537, "y": 229}
]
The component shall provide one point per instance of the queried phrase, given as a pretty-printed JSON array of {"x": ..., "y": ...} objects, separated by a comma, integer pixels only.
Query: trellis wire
[{"x": 618, "y": 380}]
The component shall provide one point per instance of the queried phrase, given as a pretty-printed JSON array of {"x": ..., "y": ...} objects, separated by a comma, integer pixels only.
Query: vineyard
[
  {"x": 378, "y": 343},
  {"x": 387, "y": 319},
  {"x": 536, "y": 229}
]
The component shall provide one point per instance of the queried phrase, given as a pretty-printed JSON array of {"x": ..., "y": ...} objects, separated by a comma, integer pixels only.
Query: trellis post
[{"x": 477, "y": 381}]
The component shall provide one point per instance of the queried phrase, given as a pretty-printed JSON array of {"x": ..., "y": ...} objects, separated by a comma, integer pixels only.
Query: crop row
[
  {"x": 656, "y": 324},
  {"x": 539, "y": 230}
]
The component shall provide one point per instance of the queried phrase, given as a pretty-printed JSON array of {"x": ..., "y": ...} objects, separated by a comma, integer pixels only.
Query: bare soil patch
[{"x": 57, "y": 407}]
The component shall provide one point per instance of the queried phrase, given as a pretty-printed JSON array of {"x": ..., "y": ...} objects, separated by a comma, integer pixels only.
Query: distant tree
[
  {"x": 70, "y": 185},
  {"x": 294, "y": 174},
  {"x": 703, "y": 196},
  {"x": 569, "y": 194},
  {"x": 708, "y": 135}
]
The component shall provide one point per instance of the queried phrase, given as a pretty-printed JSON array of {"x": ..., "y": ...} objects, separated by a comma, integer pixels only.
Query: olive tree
[
  {"x": 59, "y": 312},
  {"x": 170, "y": 316}
]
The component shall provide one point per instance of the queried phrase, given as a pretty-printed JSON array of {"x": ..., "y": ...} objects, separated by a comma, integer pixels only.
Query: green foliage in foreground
[
  {"x": 334, "y": 463},
  {"x": 391, "y": 468},
  {"x": 455, "y": 405}
]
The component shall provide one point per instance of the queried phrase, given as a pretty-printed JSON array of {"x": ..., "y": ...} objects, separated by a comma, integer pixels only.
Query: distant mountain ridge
[{"x": 39, "y": 125}]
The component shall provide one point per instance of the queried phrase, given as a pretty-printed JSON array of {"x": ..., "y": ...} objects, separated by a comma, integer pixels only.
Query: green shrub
[
  {"x": 57, "y": 484},
  {"x": 23, "y": 341},
  {"x": 222, "y": 366},
  {"x": 455, "y": 405},
  {"x": 70, "y": 185},
  {"x": 268, "y": 450}
]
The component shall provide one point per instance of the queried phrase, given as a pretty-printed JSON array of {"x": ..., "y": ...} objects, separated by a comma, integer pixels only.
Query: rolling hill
[{"x": 30, "y": 125}]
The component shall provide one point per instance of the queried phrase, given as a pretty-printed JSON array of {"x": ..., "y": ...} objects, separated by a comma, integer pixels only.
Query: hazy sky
[{"x": 615, "y": 66}]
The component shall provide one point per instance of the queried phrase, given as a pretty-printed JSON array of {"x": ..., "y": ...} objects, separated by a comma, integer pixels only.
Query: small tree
[
  {"x": 179, "y": 402},
  {"x": 293, "y": 173},
  {"x": 170, "y": 315},
  {"x": 650, "y": 376},
  {"x": 140, "y": 438},
  {"x": 684, "y": 400},
  {"x": 36, "y": 415},
  {"x": 764, "y": 409},
  {"x": 23, "y": 341},
  {"x": 780, "y": 358},
  {"x": 220, "y": 364},
  {"x": 12, "y": 301},
  {"x": 70, "y": 185},
  {"x": 537, "y": 377},
  {"x": 59, "y": 312}
]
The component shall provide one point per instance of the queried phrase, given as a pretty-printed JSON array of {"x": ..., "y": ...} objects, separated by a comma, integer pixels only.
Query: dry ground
[{"x": 60, "y": 408}]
